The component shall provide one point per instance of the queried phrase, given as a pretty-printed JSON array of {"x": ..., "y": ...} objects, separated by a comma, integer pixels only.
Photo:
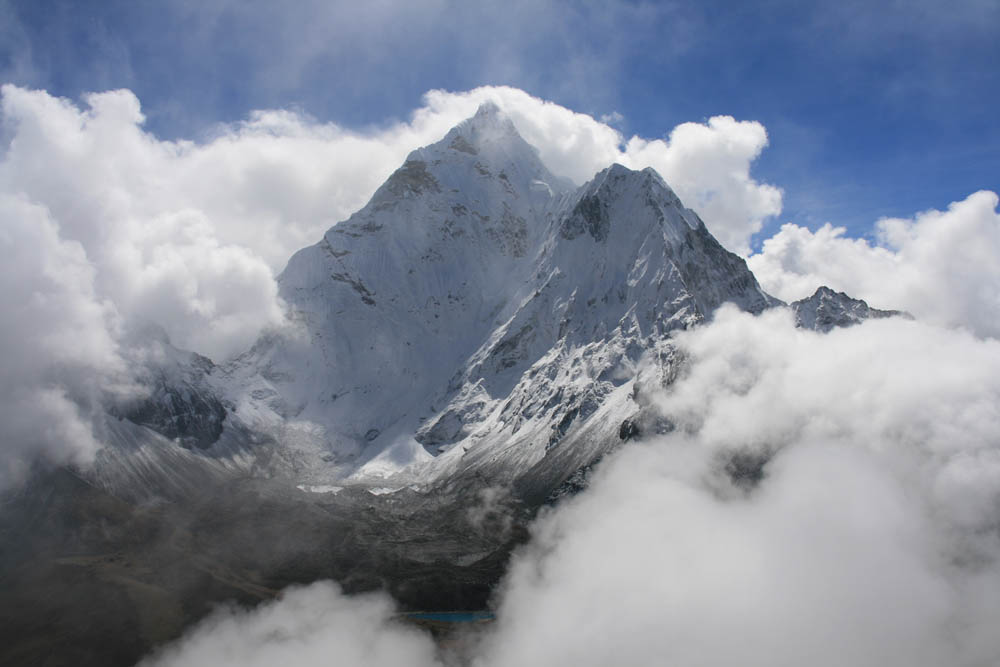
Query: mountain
[
  {"x": 478, "y": 319},
  {"x": 481, "y": 316}
]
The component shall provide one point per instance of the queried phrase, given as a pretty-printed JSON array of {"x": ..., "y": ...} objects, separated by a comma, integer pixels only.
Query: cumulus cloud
[
  {"x": 862, "y": 530},
  {"x": 709, "y": 167},
  {"x": 119, "y": 194},
  {"x": 941, "y": 266},
  {"x": 58, "y": 340},
  {"x": 312, "y": 625}
]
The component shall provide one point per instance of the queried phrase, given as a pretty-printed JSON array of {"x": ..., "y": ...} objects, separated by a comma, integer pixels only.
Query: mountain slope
[{"x": 623, "y": 265}]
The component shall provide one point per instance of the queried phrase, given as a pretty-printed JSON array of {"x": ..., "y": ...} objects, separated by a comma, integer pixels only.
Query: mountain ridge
[{"x": 478, "y": 316}]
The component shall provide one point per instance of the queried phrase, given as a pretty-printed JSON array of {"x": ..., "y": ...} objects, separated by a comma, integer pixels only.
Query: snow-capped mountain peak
[
  {"x": 490, "y": 126},
  {"x": 479, "y": 316}
]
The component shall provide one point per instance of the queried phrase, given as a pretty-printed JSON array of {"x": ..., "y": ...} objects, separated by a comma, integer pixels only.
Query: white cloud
[
  {"x": 120, "y": 194},
  {"x": 871, "y": 540},
  {"x": 708, "y": 165},
  {"x": 58, "y": 342},
  {"x": 312, "y": 625},
  {"x": 613, "y": 118},
  {"x": 941, "y": 266}
]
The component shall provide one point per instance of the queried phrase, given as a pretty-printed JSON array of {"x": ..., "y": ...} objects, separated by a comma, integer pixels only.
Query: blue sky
[{"x": 872, "y": 108}]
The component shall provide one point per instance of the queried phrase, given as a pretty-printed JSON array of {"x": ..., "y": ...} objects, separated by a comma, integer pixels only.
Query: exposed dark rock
[
  {"x": 628, "y": 430},
  {"x": 460, "y": 143},
  {"x": 192, "y": 418},
  {"x": 509, "y": 351},
  {"x": 590, "y": 216},
  {"x": 180, "y": 404},
  {"x": 746, "y": 468},
  {"x": 449, "y": 426},
  {"x": 562, "y": 427},
  {"x": 357, "y": 285},
  {"x": 412, "y": 178},
  {"x": 574, "y": 484}
]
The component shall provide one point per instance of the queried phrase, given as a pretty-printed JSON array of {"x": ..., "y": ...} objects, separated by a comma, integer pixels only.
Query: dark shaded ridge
[{"x": 184, "y": 410}]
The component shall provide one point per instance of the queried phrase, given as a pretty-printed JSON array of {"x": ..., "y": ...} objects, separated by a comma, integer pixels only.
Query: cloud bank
[
  {"x": 826, "y": 499},
  {"x": 120, "y": 196},
  {"x": 941, "y": 266},
  {"x": 871, "y": 535}
]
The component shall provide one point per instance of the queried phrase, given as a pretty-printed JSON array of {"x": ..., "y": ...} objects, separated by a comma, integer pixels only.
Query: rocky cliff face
[{"x": 181, "y": 404}]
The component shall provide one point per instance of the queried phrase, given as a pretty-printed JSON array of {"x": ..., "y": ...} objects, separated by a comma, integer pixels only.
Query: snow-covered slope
[
  {"x": 622, "y": 265},
  {"x": 391, "y": 303},
  {"x": 478, "y": 318}
]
